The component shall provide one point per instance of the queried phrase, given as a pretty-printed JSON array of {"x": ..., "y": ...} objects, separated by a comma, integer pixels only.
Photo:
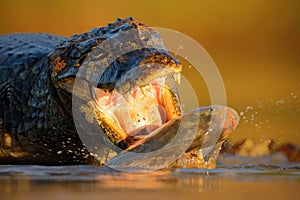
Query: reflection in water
[{"x": 234, "y": 182}]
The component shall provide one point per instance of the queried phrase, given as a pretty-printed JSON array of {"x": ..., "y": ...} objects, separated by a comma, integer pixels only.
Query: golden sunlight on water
[
  {"x": 255, "y": 45},
  {"x": 78, "y": 182},
  {"x": 217, "y": 189}
]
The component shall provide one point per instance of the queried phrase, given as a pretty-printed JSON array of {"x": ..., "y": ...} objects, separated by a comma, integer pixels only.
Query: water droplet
[
  {"x": 249, "y": 108},
  {"x": 280, "y": 101},
  {"x": 180, "y": 47}
]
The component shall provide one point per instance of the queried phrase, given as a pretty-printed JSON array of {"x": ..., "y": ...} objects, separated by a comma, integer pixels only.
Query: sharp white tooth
[
  {"x": 150, "y": 86},
  {"x": 163, "y": 80},
  {"x": 177, "y": 78},
  {"x": 126, "y": 97},
  {"x": 94, "y": 93},
  {"x": 144, "y": 91}
]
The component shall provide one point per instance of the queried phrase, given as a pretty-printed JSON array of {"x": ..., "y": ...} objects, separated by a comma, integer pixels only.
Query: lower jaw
[{"x": 150, "y": 112}]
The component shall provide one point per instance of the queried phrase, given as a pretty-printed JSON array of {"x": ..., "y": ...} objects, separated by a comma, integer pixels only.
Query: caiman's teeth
[
  {"x": 150, "y": 86},
  {"x": 177, "y": 78},
  {"x": 143, "y": 89},
  {"x": 126, "y": 97},
  {"x": 94, "y": 93}
]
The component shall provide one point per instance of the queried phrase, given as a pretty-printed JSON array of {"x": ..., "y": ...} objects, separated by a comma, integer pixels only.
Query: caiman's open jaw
[{"x": 138, "y": 112}]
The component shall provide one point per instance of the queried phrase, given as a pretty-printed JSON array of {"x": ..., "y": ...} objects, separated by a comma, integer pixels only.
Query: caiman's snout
[{"x": 232, "y": 118}]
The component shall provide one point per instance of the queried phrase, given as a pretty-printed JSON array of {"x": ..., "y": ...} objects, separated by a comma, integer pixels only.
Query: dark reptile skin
[
  {"x": 28, "y": 112},
  {"x": 36, "y": 124},
  {"x": 37, "y": 73}
]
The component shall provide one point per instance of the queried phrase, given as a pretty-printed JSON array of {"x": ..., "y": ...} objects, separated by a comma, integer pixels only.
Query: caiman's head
[{"x": 135, "y": 93}]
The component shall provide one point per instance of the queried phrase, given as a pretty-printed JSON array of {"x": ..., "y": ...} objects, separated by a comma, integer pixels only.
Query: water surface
[{"x": 92, "y": 182}]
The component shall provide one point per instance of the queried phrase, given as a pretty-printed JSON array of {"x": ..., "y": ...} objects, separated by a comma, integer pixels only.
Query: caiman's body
[
  {"x": 33, "y": 122},
  {"x": 36, "y": 74}
]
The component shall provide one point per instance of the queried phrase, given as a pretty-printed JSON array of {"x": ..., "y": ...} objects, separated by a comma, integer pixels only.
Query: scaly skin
[
  {"x": 37, "y": 74},
  {"x": 34, "y": 125}
]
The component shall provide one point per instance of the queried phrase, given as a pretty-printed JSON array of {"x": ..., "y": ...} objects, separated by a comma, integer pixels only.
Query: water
[
  {"x": 236, "y": 181},
  {"x": 267, "y": 177},
  {"x": 270, "y": 118}
]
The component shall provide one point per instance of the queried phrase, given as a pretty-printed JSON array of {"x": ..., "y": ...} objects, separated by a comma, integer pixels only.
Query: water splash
[{"x": 273, "y": 118}]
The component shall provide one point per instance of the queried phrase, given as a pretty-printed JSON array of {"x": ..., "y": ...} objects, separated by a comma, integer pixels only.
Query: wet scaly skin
[{"x": 36, "y": 87}]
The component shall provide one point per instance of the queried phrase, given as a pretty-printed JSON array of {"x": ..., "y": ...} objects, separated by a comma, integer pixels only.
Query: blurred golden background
[{"x": 255, "y": 44}]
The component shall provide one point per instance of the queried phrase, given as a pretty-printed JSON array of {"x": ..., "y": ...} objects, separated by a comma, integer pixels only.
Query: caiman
[{"x": 37, "y": 77}]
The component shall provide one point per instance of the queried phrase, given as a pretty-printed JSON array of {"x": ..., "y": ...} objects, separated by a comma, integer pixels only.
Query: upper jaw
[{"x": 137, "y": 68}]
